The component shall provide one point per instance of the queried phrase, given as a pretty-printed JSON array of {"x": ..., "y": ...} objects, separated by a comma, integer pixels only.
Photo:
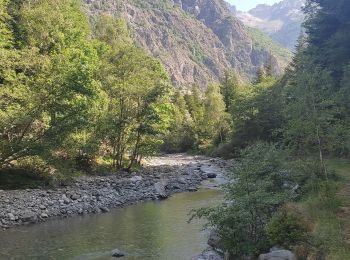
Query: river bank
[{"x": 161, "y": 177}]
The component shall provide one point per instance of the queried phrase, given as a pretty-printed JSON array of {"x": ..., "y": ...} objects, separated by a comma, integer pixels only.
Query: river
[{"x": 150, "y": 230}]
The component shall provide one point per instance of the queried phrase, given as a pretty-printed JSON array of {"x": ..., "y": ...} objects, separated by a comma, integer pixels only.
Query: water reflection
[{"x": 152, "y": 230}]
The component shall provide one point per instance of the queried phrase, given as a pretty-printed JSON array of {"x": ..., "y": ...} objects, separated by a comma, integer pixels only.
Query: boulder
[
  {"x": 211, "y": 175},
  {"x": 214, "y": 239},
  {"x": 29, "y": 217},
  {"x": 104, "y": 209},
  {"x": 278, "y": 255},
  {"x": 136, "y": 178},
  {"x": 75, "y": 197},
  {"x": 117, "y": 253},
  {"x": 182, "y": 180},
  {"x": 160, "y": 190},
  {"x": 11, "y": 217},
  {"x": 65, "y": 199}
]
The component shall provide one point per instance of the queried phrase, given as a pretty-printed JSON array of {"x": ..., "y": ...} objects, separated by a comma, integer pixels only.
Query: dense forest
[{"x": 77, "y": 96}]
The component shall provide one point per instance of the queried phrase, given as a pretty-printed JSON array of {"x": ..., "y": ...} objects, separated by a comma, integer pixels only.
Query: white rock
[
  {"x": 136, "y": 178},
  {"x": 11, "y": 216},
  {"x": 278, "y": 255}
]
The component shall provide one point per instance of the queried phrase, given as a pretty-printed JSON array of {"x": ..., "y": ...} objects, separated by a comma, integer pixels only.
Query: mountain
[
  {"x": 281, "y": 21},
  {"x": 196, "y": 40}
]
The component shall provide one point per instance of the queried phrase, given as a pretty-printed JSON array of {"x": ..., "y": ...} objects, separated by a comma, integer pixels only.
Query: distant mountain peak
[{"x": 281, "y": 21}]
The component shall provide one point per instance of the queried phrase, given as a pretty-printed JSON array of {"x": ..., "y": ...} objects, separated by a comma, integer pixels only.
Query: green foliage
[
  {"x": 137, "y": 87},
  {"x": 48, "y": 85},
  {"x": 5, "y": 32},
  {"x": 263, "y": 42},
  {"x": 307, "y": 112},
  {"x": 327, "y": 27},
  {"x": 256, "y": 110},
  {"x": 61, "y": 92},
  {"x": 316, "y": 112},
  {"x": 287, "y": 228},
  {"x": 201, "y": 123},
  {"x": 241, "y": 221}
]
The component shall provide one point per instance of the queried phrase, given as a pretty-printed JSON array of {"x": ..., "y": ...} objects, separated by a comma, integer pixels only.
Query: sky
[{"x": 246, "y": 5}]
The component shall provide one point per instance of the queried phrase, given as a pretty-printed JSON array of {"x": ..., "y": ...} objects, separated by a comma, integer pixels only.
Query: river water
[{"x": 151, "y": 230}]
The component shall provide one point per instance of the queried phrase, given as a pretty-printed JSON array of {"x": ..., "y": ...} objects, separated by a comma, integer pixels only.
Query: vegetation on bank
[{"x": 75, "y": 96}]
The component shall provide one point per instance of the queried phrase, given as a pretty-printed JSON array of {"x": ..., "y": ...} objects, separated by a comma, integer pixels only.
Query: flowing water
[{"x": 151, "y": 230}]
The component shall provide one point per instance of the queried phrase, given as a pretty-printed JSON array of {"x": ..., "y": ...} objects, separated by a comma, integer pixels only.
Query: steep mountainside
[
  {"x": 281, "y": 21},
  {"x": 197, "y": 40}
]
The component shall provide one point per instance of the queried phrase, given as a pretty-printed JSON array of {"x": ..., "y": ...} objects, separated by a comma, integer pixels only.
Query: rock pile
[{"x": 98, "y": 194}]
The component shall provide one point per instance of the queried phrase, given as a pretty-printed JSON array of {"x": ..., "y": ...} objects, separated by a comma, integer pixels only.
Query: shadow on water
[{"x": 151, "y": 230}]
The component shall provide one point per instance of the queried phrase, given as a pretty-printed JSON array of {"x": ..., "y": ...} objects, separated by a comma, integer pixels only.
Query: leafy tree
[
  {"x": 137, "y": 87},
  {"x": 256, "y": 112},
  {"x": 5, "y": 31},
  {"x": 249, "y": 205},
  {"x": 216, "y": 121},
  {"x": 327, "y": 28},
  {"x": 230, "y": 88},
  {"x": 181, "y": 135},
  {"x": 49, "y": 85}
]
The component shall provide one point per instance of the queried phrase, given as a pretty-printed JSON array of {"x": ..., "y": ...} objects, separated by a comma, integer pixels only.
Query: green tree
[
  {"x": 250, "y": 204},
  {"x": 49, "y": 86},
  {"x": 230, "y": 88},
  {"x": 181, "y": 136},
  {"x": 216, "y": 121},
  {"x": 138, "y": 90},
  {"x": 5, "y": 31}
]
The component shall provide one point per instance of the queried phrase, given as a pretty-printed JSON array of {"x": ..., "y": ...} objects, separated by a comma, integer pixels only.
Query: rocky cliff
[
  {"x": 197, "y": 40},
  {"x": 281, "y": 21}
]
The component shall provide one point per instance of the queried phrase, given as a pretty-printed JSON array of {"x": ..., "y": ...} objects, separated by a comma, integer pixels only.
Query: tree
[
  {"x": 230, "y": 88},
  {"x": 256, "y": 112},
  {"x": 181, "y": 135},
  {"x": 5, "y": 31},
  {"x": 138, "y": 88},
  {"x": 250, "y": 204},
  {"x": 327, "y": 28},
  {"x": 49, "y": 84},
  {"x": 216, "y": 121}
]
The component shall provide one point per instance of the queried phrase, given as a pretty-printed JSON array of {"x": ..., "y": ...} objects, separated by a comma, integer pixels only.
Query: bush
[
  {"x": 83, "y": 162},
  {"x": 287, "y": 228},
  {"x": 28, "y": 172}
]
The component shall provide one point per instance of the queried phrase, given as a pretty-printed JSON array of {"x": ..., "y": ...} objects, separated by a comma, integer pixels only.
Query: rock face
[
  {"x": 281, "y": 21},
  {"x": 196, "y": 40},
  {"x": 278, "y": 255}
]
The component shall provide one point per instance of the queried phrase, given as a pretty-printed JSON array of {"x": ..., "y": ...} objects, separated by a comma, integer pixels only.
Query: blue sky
[{"x": 245, "y": 5}]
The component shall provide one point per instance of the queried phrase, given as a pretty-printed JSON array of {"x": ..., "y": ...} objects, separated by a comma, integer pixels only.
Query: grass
[{"x": 330, "y": 214}]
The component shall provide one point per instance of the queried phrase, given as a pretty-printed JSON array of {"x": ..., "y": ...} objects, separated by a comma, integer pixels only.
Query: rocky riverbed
[{"x": 160, "y": 178}]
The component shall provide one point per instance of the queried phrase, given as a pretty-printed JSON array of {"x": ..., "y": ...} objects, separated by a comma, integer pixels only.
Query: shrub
[{"x": 287, "y": 228}]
